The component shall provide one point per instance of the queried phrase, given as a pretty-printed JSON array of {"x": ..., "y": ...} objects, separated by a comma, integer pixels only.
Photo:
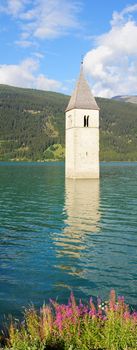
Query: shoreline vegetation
[
  {"x": 62, "y": 161},
  {"x": 75, "y": 326}
]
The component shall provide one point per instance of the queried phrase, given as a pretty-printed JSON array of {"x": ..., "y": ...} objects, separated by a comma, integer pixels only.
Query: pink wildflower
[
  {"x": 72, "y": 299},
  {"x": 59, "y": 320},
  {"x": 80, "y": 303},
  {"x": 69, "y": 312},
  {"x": 126, "y": 315},
  {"x": 134, "y": 316},
  {"x": 121, "y": 300},
  {"x": 99, "y": 301},
  {"x": 99, "y": 314},
  {"x": 90, "y": 301},
  {"x": 92, "y": 311},
  {"x": 112, "y": 299}
]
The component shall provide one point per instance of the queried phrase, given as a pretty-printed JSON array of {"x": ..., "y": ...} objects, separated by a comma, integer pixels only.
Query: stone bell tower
[{"x": 82, "y": 133}]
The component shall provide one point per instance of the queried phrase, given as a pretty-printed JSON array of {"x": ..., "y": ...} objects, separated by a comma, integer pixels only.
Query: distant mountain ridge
[
  {"x": 32, "y": 126},
  {"x": 131, "y": 99}
]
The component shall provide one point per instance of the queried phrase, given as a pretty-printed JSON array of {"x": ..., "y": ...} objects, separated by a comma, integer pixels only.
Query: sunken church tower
[{"x": 82, "y": 133}]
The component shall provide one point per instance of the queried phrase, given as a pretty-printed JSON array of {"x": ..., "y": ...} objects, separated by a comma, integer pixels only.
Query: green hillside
[{"x": 32, "y": 126}]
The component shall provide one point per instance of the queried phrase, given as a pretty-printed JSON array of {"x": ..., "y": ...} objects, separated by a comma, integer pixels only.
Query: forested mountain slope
[{"x": 32, "y": 122}]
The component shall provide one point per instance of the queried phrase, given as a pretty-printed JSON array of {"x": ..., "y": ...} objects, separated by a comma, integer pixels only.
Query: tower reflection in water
[{"x": 75, "y": 244}]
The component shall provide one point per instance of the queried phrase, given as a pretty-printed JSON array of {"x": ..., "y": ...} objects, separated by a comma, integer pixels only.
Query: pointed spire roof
[{"x": 82, "y": 97}]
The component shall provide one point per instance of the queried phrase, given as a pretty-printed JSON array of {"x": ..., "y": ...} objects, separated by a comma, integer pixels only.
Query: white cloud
[
  {"x": 13, "y": 7},
  {"x": 56, "y": 18},
  {"x": 121, "y": 17},
  {"x": 112, "y": 64},
  {"x": 24, "y": 43},
  {"x": 43, "y": 19},
  {"x": 26, "y": 75},
  {"x": 39, "y": 55}
]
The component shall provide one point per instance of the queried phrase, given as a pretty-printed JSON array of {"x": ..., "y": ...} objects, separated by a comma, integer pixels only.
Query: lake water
[{"x": 57, "y": 235}]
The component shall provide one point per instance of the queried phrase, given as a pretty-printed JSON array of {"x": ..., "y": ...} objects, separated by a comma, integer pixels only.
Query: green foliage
[
  {"x": 31, "y": 121},
  {"x": 118, "y": 130},
  {"x": 109, "y": 326},
  {"x": 54, "y": 152}
]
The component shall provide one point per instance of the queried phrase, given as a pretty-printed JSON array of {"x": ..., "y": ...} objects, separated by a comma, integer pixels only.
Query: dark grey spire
[{"x": 82, "y": 97}]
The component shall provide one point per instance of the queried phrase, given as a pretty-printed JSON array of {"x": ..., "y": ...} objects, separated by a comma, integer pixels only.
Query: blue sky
[{"x": 42, "y": 41}]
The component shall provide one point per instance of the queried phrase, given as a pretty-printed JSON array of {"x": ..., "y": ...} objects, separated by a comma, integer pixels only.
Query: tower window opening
[{"x": 86, "y": 121}]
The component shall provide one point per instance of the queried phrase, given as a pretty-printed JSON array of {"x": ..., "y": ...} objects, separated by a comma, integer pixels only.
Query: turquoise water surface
[{"x": 57, "y": 235}]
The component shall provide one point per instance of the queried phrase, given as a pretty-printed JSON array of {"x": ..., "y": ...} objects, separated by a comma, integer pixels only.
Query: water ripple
[{"x": 58, "y": 235}]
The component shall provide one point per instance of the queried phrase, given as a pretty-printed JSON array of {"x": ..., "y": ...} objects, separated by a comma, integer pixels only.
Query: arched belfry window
[{"x": 86, "y": 121}]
